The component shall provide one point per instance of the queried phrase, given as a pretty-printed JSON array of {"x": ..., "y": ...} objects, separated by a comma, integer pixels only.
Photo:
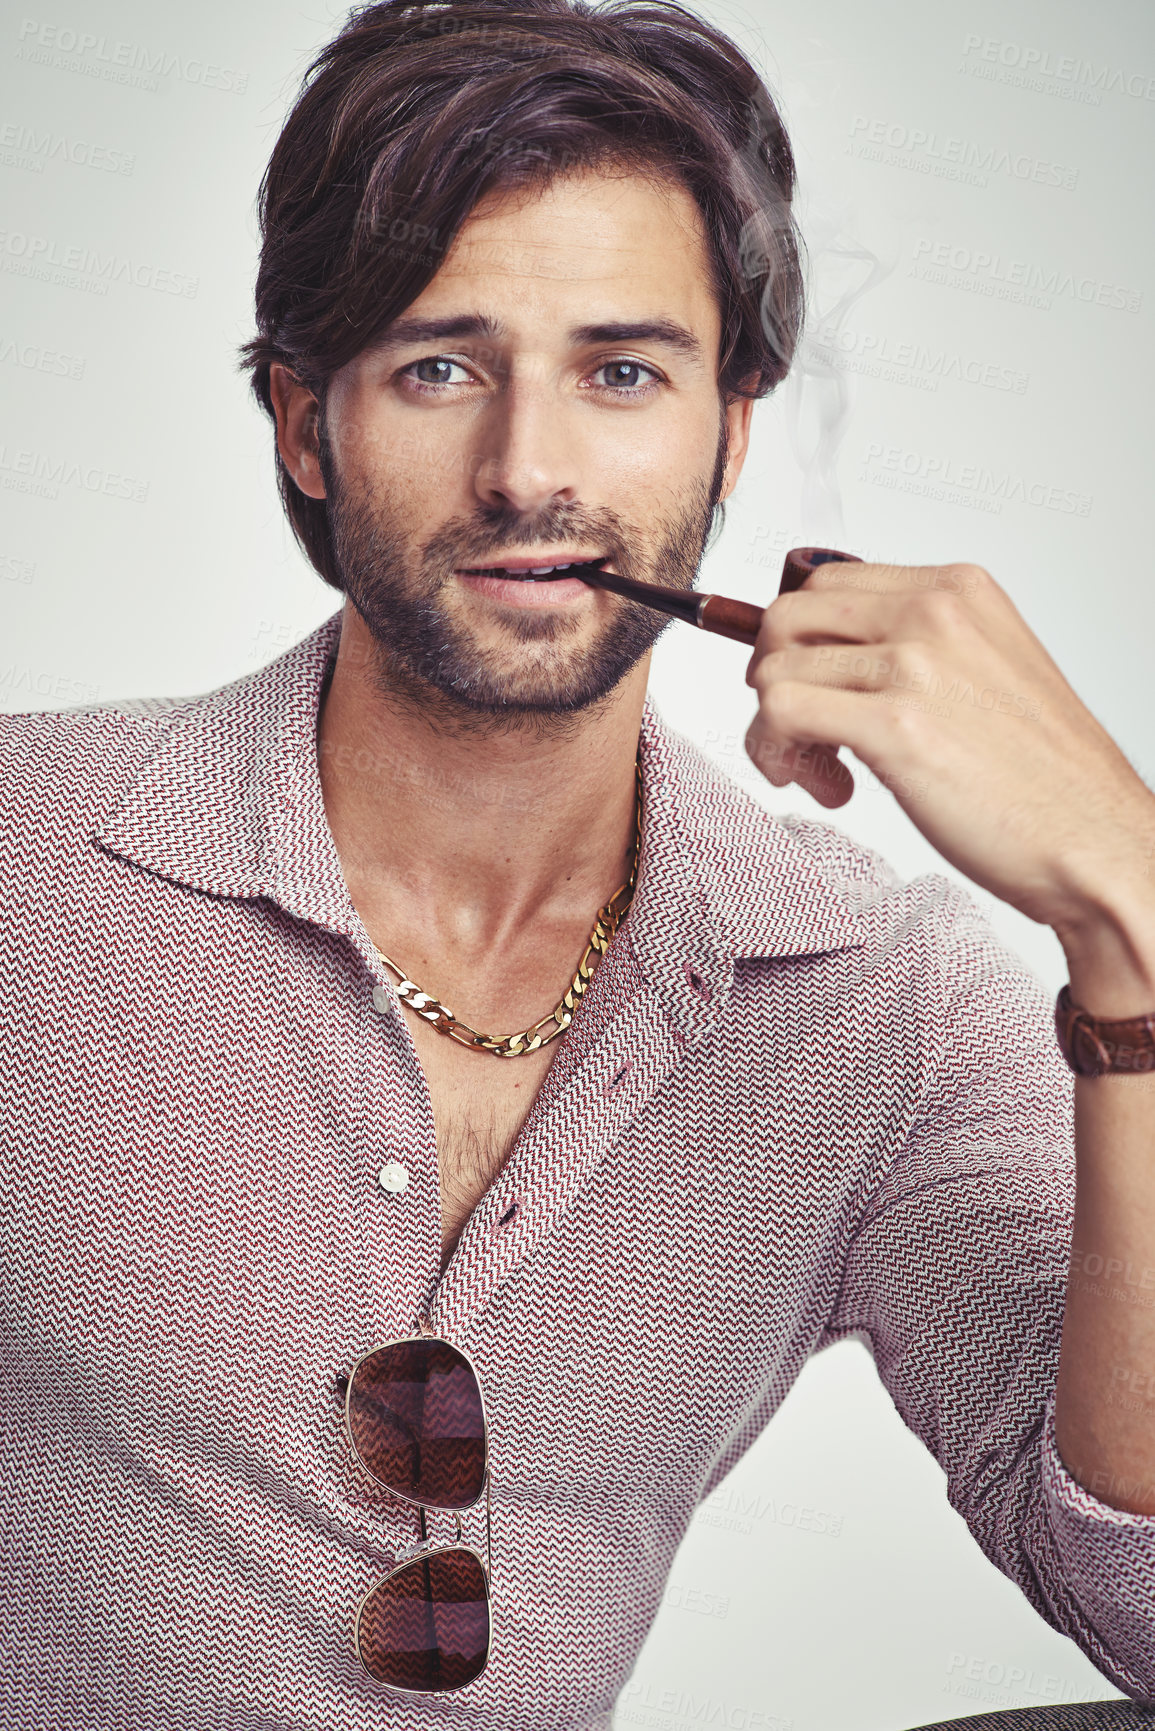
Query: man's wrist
[{"x": 1110, "y": 949}]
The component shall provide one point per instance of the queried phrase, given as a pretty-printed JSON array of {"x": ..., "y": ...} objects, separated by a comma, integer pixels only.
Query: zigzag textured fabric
[
  {"x": 1079, "y": 1716},
  {"x": 802, "y": 1100}
]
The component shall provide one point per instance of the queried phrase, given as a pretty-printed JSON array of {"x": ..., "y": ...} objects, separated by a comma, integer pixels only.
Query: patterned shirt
[{"x": 801, "y": 1101}]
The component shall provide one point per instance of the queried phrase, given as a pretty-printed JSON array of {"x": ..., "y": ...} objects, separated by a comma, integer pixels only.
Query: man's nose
[{"x": 527, "y": 456}]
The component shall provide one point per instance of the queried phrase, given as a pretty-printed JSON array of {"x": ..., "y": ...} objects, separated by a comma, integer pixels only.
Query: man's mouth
[{"x": 523, "y": 573}]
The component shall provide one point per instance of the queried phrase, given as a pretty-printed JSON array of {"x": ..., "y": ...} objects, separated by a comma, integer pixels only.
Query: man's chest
[{"x": 480, "y": 1102}]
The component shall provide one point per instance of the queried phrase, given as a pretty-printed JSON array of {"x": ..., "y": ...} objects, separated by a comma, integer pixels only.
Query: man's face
[{"x": 551, "y": 395}]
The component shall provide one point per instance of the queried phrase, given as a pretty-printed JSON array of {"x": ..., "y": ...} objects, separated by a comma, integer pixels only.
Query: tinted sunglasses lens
[
  {"x": 427, "y": 1626},
  {"x": 417, "y": 1424}
]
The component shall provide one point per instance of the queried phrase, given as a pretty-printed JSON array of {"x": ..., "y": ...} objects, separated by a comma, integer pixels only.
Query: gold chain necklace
[{"x": 530, "y": 1039}]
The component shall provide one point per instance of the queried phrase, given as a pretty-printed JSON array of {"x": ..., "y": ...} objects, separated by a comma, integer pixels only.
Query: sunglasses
[{"x": 416, "y": 1421}]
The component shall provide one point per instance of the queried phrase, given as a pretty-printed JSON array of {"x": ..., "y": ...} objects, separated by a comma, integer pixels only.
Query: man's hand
[{"x": 932, "y": 678}]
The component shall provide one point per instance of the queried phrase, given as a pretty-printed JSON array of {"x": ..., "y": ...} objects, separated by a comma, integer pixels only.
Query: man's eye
[
  {"x": 624, "y": 375},
  {"x": 435, "y": 370}
]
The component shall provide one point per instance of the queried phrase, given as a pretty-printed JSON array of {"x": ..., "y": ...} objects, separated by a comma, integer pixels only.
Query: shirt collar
[
  {"x": 228, "y": 801},
  {"x": 719, "y": 880}
]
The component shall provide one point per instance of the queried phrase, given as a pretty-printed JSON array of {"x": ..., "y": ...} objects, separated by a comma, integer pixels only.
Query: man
[{"x": 426, "y": 984}]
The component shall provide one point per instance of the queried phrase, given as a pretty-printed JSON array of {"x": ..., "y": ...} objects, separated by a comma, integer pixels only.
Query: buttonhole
[
  {"x": 341, "y": 1388},
  {"x": 697, "y": 982},
  {"x": 618, "y": 1078},
  {"x": 510, "y": 1214}
]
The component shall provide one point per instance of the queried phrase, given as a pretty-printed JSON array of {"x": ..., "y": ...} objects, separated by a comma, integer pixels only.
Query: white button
[
  {"x": 393, "y": 1177},
  {"x": 381, "y": 1000}
]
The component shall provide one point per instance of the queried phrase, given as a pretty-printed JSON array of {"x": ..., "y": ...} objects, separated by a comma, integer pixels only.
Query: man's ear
[
  {"x": 297, "y": 410},
  {"x": 738, "y": 415}
]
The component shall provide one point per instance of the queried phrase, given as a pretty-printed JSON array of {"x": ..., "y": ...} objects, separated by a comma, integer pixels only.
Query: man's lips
[{"x": 540, "y": 570}]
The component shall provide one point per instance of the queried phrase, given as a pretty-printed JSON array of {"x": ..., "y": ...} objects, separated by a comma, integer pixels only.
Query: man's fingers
[{"x": 817, "y": 768}]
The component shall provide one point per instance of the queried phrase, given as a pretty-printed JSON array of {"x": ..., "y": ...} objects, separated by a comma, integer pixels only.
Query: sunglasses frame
[{"x": 425, "y": 1547}]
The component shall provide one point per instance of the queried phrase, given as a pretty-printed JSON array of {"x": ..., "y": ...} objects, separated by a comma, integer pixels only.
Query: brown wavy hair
[{"x": 413, "y": 112}]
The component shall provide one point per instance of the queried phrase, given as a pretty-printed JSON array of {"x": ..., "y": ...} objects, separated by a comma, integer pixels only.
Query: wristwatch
[{"x": 1093, "y": 1047}]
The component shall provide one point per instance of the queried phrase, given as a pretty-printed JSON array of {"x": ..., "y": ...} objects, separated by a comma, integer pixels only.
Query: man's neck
[{"x": 480, "y": 842}]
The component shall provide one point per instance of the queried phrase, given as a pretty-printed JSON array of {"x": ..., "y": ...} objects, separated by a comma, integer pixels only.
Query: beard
[{"x": 428, "y": 659}]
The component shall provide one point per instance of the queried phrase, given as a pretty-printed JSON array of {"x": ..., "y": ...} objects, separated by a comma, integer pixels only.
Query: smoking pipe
[{"x": 721, "y": 614}]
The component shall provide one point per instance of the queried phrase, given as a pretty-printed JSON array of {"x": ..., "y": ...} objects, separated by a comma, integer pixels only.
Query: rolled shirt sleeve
[{"x": 956, "y": 1277}]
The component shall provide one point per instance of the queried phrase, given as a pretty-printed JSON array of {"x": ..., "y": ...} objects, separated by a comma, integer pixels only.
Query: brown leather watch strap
[{"x": 1094, "y": 1047}]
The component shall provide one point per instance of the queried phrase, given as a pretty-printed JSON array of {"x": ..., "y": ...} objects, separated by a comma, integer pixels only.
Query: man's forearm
[{"x": 1105, "y": 1398}]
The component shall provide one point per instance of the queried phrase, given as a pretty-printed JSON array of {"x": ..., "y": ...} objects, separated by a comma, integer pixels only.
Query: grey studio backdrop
[{"x": 975, "y": 191}]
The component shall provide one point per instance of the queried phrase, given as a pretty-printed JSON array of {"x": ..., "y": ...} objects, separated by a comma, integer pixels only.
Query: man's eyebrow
[
  {"x": 403, "y": 332},
  {"x": 666, "y": 331}
]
